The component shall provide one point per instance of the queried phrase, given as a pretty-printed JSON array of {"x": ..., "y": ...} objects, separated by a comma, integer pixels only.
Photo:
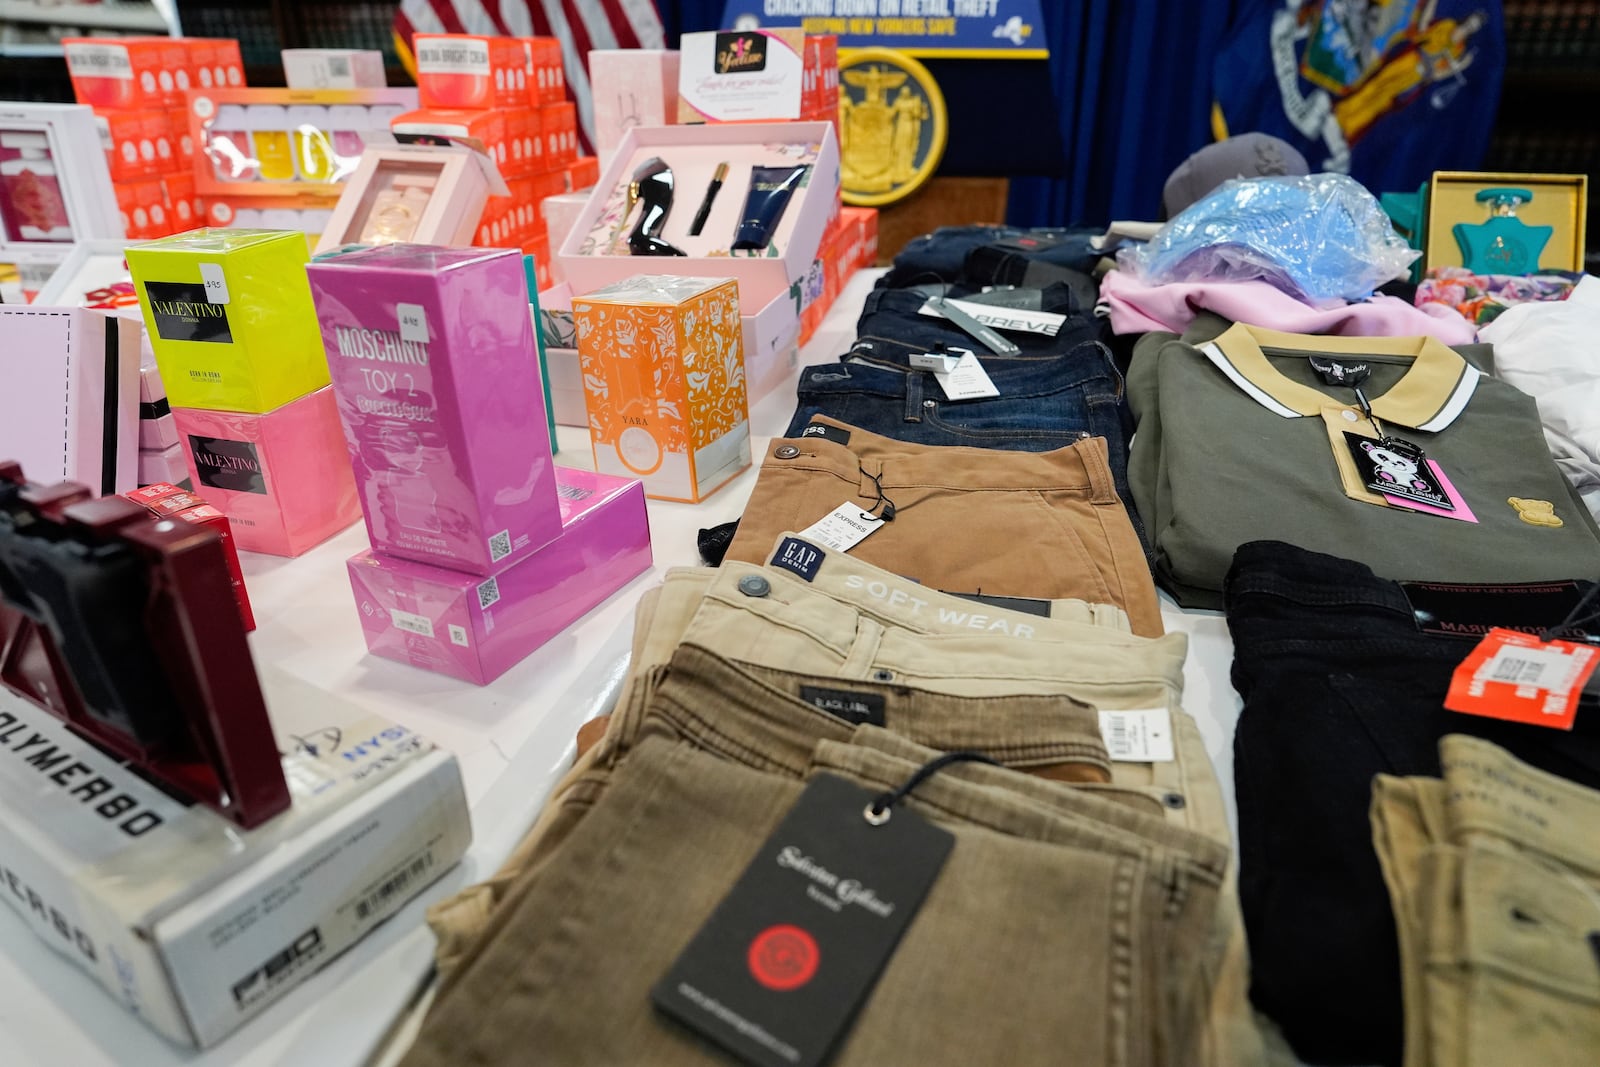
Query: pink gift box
[
  {"x": 69, "y": 395},
  {"x": 595, "y": 253},
  {"x": 436, "y": 371},
  {"x": 158, "y": 434},
  {"x": 282, "y": 478},
  {"x": 412, "y": 194},
  {"x": 476, "y": 628},
  {"x": 631, "y": 87},
  {"x": 166, "y": 465}
]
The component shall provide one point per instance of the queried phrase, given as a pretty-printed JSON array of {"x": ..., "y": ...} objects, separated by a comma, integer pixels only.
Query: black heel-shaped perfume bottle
[{"x": 652, "y": 184}]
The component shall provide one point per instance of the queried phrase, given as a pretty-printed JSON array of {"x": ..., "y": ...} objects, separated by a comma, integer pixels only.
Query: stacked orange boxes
[{"x": 849, "y": 244}]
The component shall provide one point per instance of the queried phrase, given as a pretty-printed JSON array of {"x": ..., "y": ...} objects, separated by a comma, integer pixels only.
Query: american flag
[{"x": 582, "y": 26}]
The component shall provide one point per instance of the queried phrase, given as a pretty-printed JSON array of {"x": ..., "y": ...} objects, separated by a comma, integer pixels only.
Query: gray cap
[{"x": 1249, "y": 155}]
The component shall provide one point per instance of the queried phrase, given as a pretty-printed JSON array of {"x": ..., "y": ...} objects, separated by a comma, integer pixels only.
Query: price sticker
[
  {"x": 216, "y": 283},
  {"x": 1517, "y": 677},
  {"x": 413, "y": 323},
  {"x": 843, "y": 528}
]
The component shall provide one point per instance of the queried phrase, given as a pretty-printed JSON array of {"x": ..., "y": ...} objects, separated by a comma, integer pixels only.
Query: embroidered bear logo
[{"x": 1535, "y": 512}]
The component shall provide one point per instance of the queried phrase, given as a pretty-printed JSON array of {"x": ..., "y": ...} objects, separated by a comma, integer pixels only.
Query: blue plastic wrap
[{"x": 1321, "y": 237}]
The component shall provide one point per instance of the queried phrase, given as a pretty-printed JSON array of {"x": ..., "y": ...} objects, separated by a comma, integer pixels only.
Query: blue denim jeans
[
  {"x": 942, "y": 256},
  {"x": 1057, "y": 390}
]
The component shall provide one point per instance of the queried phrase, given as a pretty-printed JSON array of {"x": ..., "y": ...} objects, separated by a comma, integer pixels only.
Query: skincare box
[
  {"x": 547, "y": 77},
  {"x": 333, "y": 68},
  {"x": 631, "y": 87},
  {"x": 412, "y": 194},
  {"x": 69, "y": 406},
  {"x": 458, "y": 70},
  {"x": 436, "y": 370},
  {"x": 230, "y": 318},
  {"x": 485, "y": 130},
  {"x": 475, "y": 627},
  {"x": 54, "y": 183},
  {"x": 172, "y": 502},
  {"x": 663, "y": 365},
  {"x": 281, "y": 478},
  {"x": 128, "y": 72}
]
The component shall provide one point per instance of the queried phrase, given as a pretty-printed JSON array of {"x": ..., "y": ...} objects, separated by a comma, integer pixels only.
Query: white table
[{"x": 513, "y": 738}]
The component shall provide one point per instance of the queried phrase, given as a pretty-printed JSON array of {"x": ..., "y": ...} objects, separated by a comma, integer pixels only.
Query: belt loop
[
  {"x": 914, "y": 379},
  {"x": 1097, "y": 466}
]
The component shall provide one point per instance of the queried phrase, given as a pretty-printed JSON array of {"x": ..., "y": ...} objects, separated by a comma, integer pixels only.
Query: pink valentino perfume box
[
  {"x": 436, "y": 371},
  {"x": 477, "y": 627},
  {"x": 280, "y": 478}
]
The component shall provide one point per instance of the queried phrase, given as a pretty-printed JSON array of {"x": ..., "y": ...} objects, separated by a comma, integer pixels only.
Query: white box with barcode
[
  {"x": 190, "y": 922},
  {"x": 333, "y": 68}
]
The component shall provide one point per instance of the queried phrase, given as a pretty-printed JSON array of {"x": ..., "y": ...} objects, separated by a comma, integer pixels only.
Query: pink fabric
[{"x": 1139, "y": 308}]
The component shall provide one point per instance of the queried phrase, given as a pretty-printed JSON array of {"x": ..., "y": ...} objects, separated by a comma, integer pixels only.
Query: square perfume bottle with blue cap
[{"x": 1504, "y": 244}]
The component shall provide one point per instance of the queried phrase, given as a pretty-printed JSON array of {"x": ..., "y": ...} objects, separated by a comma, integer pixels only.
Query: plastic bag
[{"x": 1320, "y": 237}]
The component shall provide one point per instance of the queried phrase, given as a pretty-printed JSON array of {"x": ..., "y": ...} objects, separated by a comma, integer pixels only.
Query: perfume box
[
  {"x": 167, "y": 465},
  {"x": 1555, "y": 220},
  {"x": 69, "y": 407},
  {"x": 193, "y": 924},
  {"x": 281, "y": 478},
  {"x": 746, "y": 75},
  {"x": 230, "y": 317},
  {"x": 477, "y": 627},
  {"x": 170, "y": 501},
  {"x": 333, "y": 68},
  {"x": 132, "y": 141},
  {"x": 866, "y": 219},
  {"x": 663, "y": 365},
  {"x": 128, "y": 72},
  {"x": 485, "y": 130},
  {"x": 631, "y": 87},
  {"x": 436, "y": 371},
  {"x": 413, "y": 194},
  {"x": 560, "y": 125},
  {"x": 547, "y": 80},
  {"x": 458, "y": 70},
  {"x": 157, "y": 432},
  {"x": 54, "y": 183},
  {"x": 596, "y": 252}
]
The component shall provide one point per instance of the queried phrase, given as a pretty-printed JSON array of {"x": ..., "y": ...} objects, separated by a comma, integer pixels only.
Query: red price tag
[{"x": 1515, "y": 676}]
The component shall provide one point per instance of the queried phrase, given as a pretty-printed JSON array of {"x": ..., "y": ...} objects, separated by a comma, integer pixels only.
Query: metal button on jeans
[
  {"x": 787, "y": 452},
  {"x": 754, "y": 585}
]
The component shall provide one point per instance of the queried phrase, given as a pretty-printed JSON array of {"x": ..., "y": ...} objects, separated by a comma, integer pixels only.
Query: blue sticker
[{"x": 798, "y": 557}]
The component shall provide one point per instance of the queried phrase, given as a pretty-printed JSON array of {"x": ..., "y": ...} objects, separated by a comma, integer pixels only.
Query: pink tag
[{"x": 1461, "y": 512}]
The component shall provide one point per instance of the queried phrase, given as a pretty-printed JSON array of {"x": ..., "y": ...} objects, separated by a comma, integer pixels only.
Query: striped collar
[{"x": 1428, "y": 397}]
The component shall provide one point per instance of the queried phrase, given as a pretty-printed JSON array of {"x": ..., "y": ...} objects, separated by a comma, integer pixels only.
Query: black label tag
[
  {"x": 1026, "y": 244},
  {"x": 741, "y": 52},
  {"x": 1397, "y": 467},
  {"x": 1040, "y": 608},
  {"x": 798, "y": 557},
  {"x": 778, "y": 972},
  {"x": 224, "y": 464},
  {"x": 181, "y": 313},
  {"x": 850, "y": 705},
  {"x": 1468, "y": 612},
  {"x": 827, "y": 433},
  {"x": 1338, "y": 372}
]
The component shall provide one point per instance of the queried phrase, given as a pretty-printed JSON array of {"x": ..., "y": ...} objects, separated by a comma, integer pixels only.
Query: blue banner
[{"x": 948, "y": 29}]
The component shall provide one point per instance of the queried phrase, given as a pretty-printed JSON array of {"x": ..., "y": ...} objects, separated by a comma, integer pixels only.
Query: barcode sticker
[
  {"x": 338, "y": 66},
  {"x": 393, "y": 888},
  {"x": 216, "y": 283},
  {"x": 499, "y": 546},
  {"x": 488, "y": 594},
  {"x": 413, "y": 322},
  {"x": 1515, "y": 676},
  {"x": 405, "y": 620},
  {"x": 458, "y": 635},
  {"x": 1138, "y": 735}
]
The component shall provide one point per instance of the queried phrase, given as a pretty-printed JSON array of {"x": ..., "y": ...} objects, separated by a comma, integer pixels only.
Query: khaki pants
[{"x": 1494, "y": 873}]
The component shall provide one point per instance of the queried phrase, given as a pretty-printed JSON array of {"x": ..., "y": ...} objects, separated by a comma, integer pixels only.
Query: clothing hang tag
[
  {"x": 1458, "y": 509},
  {"x": 1467, "y": 612},
  {"x": 969, "y": 381},
  {"x": 827, "y": 433},
  {"x": 783, "y": 965},
  {"x": 216, "y": 283},
  {"x": 993, "y": 316},
  {"x": 1397, "y": 468},
  {"x": 853, "y": 706},
  {"x": 1140, "y": 735},
  {"x": 1340, "y": 372},
  {"x": 940, "y": 308},
  {"x": 1519, "y": 678},
  {"x": 939, "y": 362},
  {"x": 843, "y": 528}
]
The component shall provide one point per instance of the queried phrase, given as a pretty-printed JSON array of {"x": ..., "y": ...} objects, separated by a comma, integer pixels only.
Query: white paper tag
[
  {"x": 969, "y": 381},
  {"x": 1139, "y": 735},
  {"x": 216, "y": 284},
  {"x": 842, "y": 528},
  {"x": 450, "y": 55},
  {"x": 417, "y": 624},
  {"x": 413, "y": 322},
  {"x": 98, "y": 61},
  {"x": 939, "y": 362},
  {"x": 1018, "y": 320}
]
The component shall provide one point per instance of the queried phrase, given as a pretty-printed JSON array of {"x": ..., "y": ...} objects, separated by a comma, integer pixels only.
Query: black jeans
[
  {"x": 1338, "y": 686},
  {"x": 951, "y": 255}
]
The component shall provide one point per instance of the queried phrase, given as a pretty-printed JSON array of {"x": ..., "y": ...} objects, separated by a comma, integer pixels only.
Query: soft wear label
[
  {"x": 1138, "y": 735},
  {"x": 843, "y": 528},
  {"x": 1519, "y": 678},
  {"x": 783, "y": 965}
]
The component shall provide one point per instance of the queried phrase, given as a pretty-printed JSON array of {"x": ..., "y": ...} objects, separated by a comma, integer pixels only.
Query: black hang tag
[
  {"x": 827, "y": 433},
  {"x": 1397, "y": 467},
  {"x": 1025, "y": 605},
  {"x": 851, "y": 705},
  {"x": 1468, "y": 611},
  {"x": 798, "y": 557},
  {"x": 778, "y": 972},
  {"x": 1340, "y": 372}
]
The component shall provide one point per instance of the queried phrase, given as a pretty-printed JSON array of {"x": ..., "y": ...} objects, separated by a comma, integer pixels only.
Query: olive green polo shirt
[{"x": 1238, "y": 439}]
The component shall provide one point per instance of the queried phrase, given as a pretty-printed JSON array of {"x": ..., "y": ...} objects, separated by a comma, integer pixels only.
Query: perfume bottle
[{"x": 1504, "y": 244}]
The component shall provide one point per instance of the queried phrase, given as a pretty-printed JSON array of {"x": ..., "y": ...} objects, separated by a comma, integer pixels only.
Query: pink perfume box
[
  {"x": 166, "y": 465},
  {"x": 476, "y": 628},
  {"x": 436, "y": 369},
  {"x": 413, "y": 194},
  {"x": 631, "y": 87},
  {"x": 280, "y": 478},
  {"x": 69, "y": 395}
]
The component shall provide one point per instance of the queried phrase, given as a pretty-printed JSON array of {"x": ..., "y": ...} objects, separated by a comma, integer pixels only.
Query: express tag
[
  {"x": 1519, "y": 678},
  {"x": 843, "y": 528},
  {"x": 967, "y": 381},
  {"x": 1337, "y": 372},
  {"x": 939, "y": 362},
  {"x": 826, "y": 432},
  {"x": 1395, "y": 467},
  {"x": 778, "y": 972}
]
